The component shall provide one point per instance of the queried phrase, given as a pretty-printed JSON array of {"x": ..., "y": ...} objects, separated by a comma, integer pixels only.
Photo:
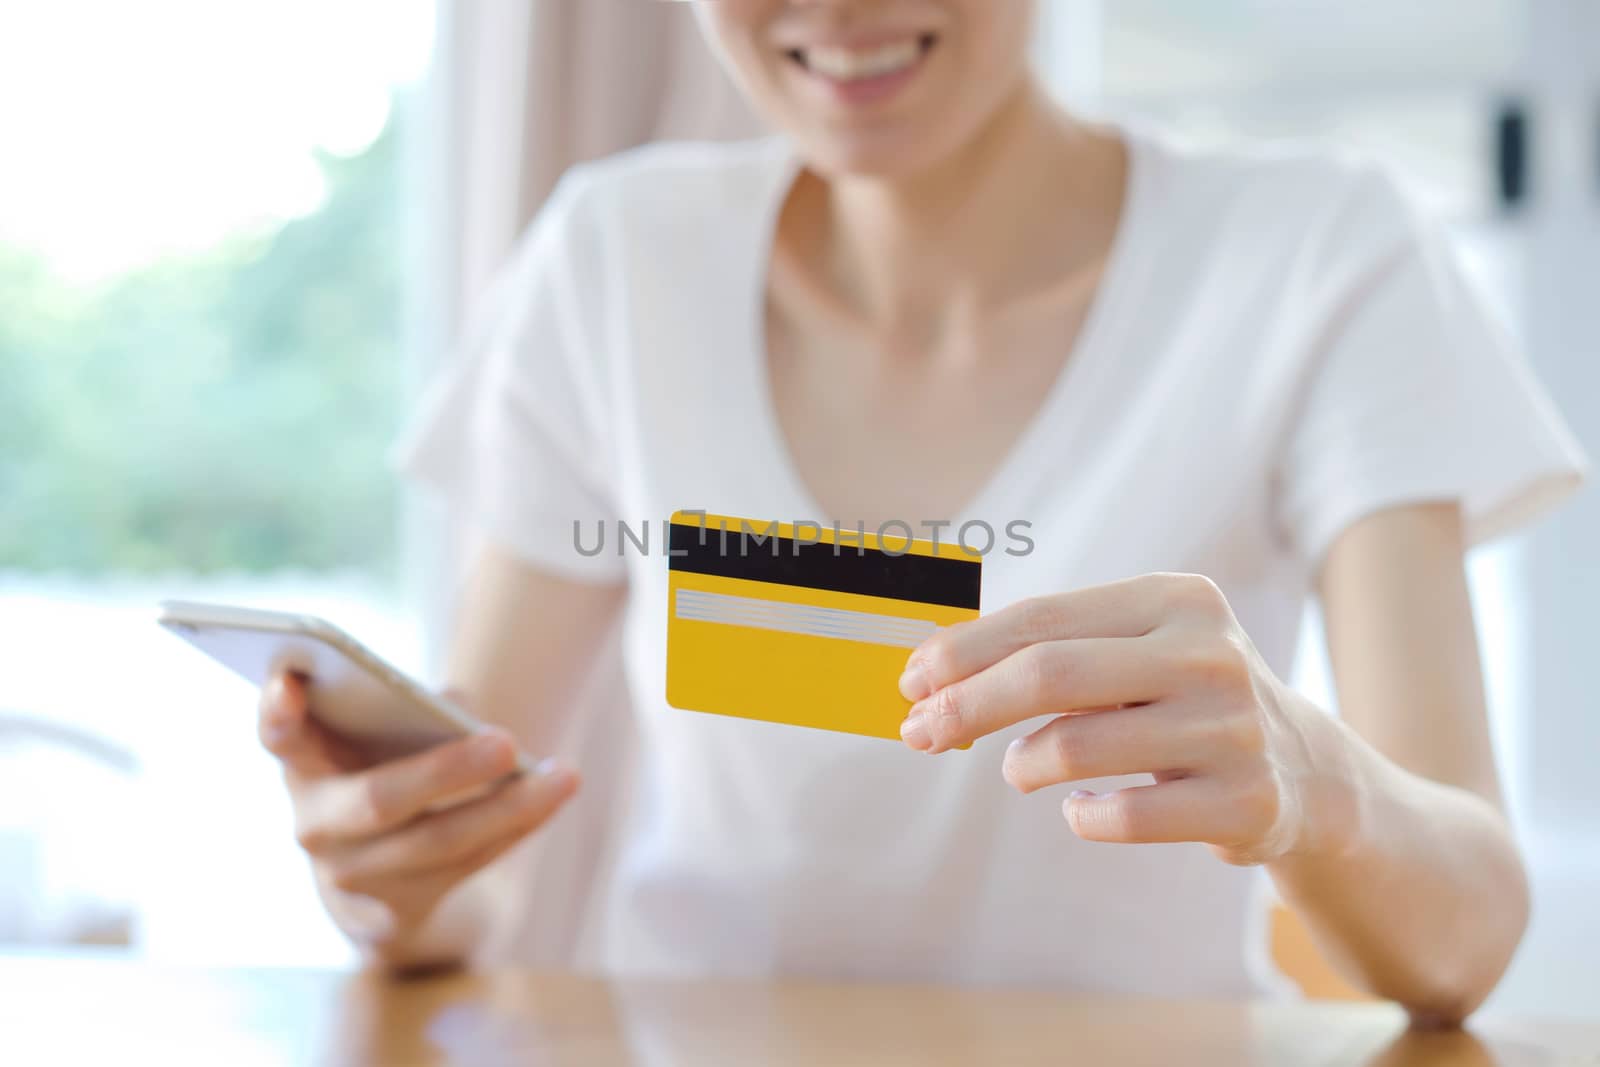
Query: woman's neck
[{"x": 1027, "y": 203}]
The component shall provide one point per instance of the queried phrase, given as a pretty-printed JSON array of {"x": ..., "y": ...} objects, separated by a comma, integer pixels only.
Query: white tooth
[{"x": 844, "y": 64}]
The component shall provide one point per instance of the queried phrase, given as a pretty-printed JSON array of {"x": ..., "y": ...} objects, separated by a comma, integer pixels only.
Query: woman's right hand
[{"x": 385, "y": 853}]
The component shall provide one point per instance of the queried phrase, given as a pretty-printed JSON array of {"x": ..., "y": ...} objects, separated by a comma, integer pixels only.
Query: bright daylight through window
[{"x": 213, "y": 190}]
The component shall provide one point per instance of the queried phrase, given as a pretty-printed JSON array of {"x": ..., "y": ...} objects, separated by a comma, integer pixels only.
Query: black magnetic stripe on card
[{"x": 851, "y": 569}]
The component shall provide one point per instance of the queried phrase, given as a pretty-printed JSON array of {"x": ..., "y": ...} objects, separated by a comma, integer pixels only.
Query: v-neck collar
[{"x": 1071, "y": 388}]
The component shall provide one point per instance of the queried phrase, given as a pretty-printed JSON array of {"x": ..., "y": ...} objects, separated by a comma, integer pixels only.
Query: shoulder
[
  {"x": 658, "y": 230},
  {"x": 617, "y": 227},
  {"x": 1311, "y": 202},
  {"x": 670, "y": 189}
]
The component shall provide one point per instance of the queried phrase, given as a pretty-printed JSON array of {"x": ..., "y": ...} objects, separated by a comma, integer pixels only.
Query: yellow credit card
[{"x": 805, "y": 624}]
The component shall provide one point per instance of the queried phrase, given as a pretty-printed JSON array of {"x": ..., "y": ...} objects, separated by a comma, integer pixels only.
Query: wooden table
[{"x": 75, "y": 1011}]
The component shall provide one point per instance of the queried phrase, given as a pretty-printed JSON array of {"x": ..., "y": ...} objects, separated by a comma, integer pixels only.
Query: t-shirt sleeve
[
  {"x": 512, "y": 433},
  {"x": 1413, "y": 392}
]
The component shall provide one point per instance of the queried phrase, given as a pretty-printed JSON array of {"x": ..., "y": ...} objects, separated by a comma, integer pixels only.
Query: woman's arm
[
  {"x": 1421, "y": 895},
  {"x": 522, "y": 644},
  {"x": 1384, "y": 834}
]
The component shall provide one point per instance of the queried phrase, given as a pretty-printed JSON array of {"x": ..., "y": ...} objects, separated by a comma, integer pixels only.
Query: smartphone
[{"x": 353, "y": 691}]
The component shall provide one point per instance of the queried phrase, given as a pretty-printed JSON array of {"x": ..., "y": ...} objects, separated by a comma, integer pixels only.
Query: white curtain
[
  {"x": 522, "y": 90},
  {"x": 538, "y": 85}
]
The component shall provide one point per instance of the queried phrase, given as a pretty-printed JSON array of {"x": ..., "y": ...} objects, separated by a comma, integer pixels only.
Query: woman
[{"x": 1212, "y": 383}]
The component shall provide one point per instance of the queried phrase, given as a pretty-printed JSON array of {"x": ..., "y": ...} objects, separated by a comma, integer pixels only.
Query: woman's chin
[{"x": 874, "y": 154}]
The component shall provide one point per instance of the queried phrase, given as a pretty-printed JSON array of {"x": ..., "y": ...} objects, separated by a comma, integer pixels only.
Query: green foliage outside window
[{"x": 226, "y": 411}]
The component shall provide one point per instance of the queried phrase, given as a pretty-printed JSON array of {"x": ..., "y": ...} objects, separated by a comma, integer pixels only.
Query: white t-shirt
[{"x": 1278, "y": 348}]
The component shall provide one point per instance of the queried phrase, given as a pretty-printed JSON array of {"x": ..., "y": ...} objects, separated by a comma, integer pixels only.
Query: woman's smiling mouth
[{"x": 861, "y": 74}]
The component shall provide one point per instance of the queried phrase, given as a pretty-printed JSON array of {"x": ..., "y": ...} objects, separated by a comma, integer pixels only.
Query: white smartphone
[{"x": 353, "y": 691}]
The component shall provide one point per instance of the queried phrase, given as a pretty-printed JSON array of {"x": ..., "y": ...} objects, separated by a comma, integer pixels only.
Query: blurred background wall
[{"x": 234, "y": 238}]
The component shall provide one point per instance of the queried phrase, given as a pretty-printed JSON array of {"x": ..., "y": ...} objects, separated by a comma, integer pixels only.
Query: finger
[
  {"x": 448, "y": 839},
  {"x": 387, "y": 796},
  {"x": 440, "y": 881},
  {"x": 407, "y": 898},
  {"x": 287, "y": 730},
  {"x": 1131, "y": 607},
  {"x": 1040, "y": 679},
  {"x": 1183, "y": 809},
  {"x": 1153, "y": 738},
  {"x": 412, "y": 896}
]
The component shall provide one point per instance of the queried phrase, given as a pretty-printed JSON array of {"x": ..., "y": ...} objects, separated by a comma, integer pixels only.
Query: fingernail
[
  {"x": 277, "y": 721},
  {"x": 553, "y": 771},
  {"x": 1079, "y": 794},
  {"x": 914, "y": 732},
  {"x": 549, "y": 767},
  {"x": 914, "y": 683}
]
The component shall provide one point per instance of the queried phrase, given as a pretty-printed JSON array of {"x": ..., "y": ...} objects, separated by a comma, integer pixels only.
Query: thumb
[{"x": 287, "y": 730}]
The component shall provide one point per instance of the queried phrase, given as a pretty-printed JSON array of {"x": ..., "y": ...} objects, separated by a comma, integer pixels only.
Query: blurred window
[
  {"x": 203, "y": 270},
  {"x": 1411, "y": 82}
]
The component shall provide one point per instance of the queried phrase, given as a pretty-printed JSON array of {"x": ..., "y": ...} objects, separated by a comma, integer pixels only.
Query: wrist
[
  {"x": 412, "y": 947},
  {"x": 1334, "y": 792},
  {"x": 396, "y": 942}
]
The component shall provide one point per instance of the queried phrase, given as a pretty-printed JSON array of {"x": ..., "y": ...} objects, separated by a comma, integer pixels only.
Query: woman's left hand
[{"x": 1151, "y": 674}]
